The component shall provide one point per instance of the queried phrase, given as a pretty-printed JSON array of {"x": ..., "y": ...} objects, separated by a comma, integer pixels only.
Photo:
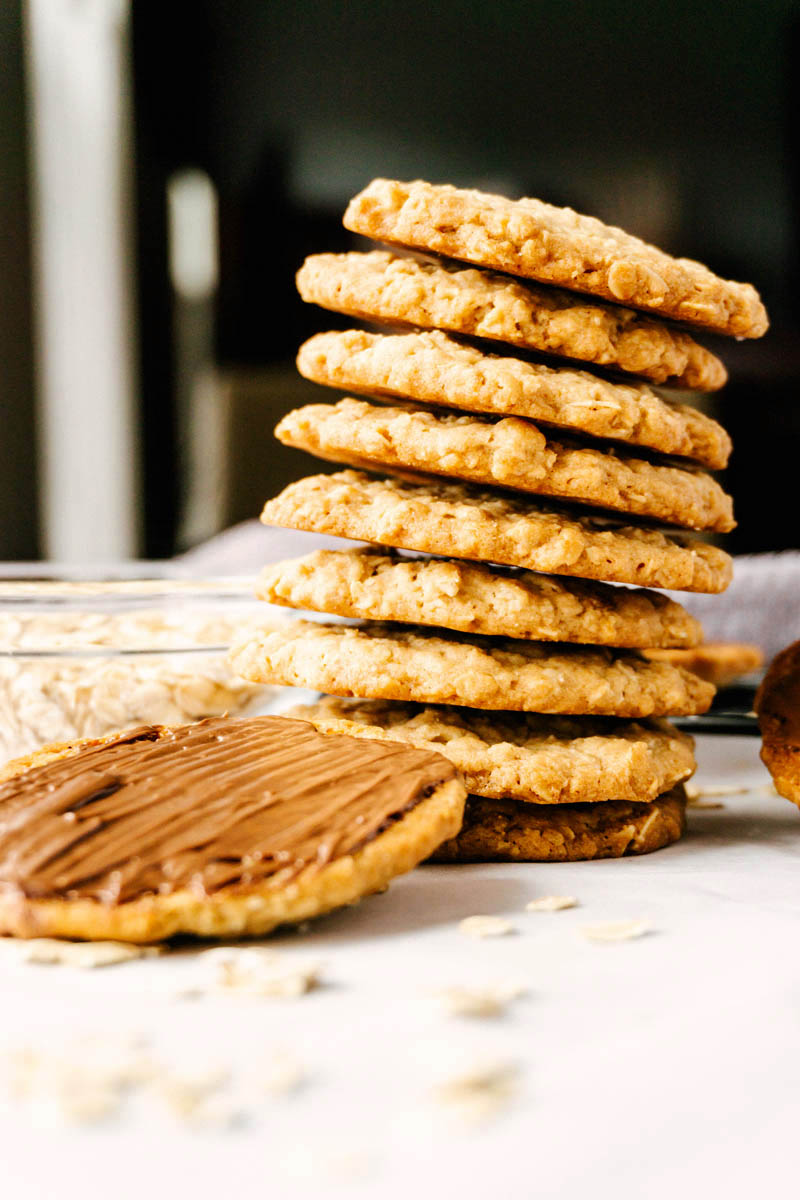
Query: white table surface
[{"x": 661, "y": 1067}]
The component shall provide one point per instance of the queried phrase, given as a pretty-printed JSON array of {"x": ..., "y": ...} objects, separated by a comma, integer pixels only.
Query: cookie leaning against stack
[{"x": 509, "y": 651}]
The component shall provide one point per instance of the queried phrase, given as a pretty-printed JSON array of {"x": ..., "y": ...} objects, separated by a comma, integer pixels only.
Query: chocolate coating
[{"x": 222, "y": 803}]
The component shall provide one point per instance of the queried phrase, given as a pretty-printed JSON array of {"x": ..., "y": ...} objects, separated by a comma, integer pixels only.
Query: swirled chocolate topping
[{"x": 223, "y": 803}]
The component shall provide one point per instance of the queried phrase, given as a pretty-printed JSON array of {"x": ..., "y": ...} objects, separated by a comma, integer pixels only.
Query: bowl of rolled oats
[{"x": 81, "y": 657}]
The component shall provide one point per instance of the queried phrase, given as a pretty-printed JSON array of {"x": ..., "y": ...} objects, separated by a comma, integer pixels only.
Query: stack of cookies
[{"x": 512, "y": 441}]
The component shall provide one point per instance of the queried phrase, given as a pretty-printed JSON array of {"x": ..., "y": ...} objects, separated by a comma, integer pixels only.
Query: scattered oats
[
  {"x": 82, "y": 1090},
  {"x": 190, "y": 1097},
  {"x": 257, "y": 972},
  {"x": 616, "y": 931},
  {"x": 480, "y": 1002},
  {"x": 80, "y": 954},
  {"x": 550, "y": 903},
  {"x": 482, "y": 1092},
  {"x": 484, "y": 927},
  {"x": 87, "y": 1102},
  {"x": 281, "y": 1075},
  {"x": 705, "y": 804}
]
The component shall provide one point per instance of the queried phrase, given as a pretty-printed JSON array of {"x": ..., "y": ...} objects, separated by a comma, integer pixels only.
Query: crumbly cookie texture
[
  {"x": 525, "y": 756},
  {"x": 432, "y": 368},
  {"x": 718, "y": 662},
  {"x": 383, "y": 287},
  {"x": 467, "y": 522},
  {"x": 232, "y": 912},
  {"x": 385, "y": 662},
  {"x": 510, "y": 831},
  {"x": 554, "y": 245},
  {"x": 506, "y": 452},
  {"x": 382, "y": 585},
  {"x": 778, "y": 706}
]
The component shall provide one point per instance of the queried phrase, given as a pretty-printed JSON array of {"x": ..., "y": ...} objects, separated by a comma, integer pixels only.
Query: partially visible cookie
[
  {"x": 719, "y": 663},
  {"x": 510, "y": 831},
  {"x": 467, "y": 522},
  {"x": 222, "y": 828},
  {"x": 432, "y": 368},
  {"x": 506, "y": 452},
  {"x": 554, "y": 245},
  {"x": 382, "y": 585},
  {"x": 387, "y": 662},
  {"x": 388, "y": 289},
  {"x": 778, "y": 706},
  {"x": 525, "y": 756}
]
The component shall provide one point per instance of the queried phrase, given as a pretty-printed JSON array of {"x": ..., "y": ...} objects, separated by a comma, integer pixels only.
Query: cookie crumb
[
  {"x": 616, "y": 931},
  {"x": 484, "y": 927},
  {"x": 550, "y": 903},
  {"x": 53, "y": 951},
  {"x": 480, "y": 1002}
]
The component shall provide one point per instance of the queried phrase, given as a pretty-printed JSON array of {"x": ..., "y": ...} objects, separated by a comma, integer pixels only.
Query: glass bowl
[{"x": 82, "y": 657}]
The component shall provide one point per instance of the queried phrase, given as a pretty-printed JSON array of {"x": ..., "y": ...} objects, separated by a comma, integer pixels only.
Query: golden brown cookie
[
  {"x": 778, "y": 706},
  {"x": 220, "y": 829},
  {"x": 554, "y": 245},
  {"x": 525, "y": 756},
  {"x": 468, "y": 522},
  {"x": 393, "y": 290},
  {"x": 388, "y": 662},
  {"x": 432, "y": 368},
  {"x": 510, "y": 831},
  {"x": 382, "y": 585},
  {"x": 719, "y": 663},
  {"x": 506, "y": 452}
]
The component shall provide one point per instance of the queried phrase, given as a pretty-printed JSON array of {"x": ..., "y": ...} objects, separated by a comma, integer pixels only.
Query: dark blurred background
[{"x": 240, "y": 128}]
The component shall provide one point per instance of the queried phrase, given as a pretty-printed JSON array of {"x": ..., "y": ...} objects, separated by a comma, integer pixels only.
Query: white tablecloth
[{"x": 661, "y": 1067}]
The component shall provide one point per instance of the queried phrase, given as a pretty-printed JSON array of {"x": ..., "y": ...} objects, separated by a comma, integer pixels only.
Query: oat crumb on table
[
  {"x": 616, "y": 931},
  {"x": 484, "y": 926}
]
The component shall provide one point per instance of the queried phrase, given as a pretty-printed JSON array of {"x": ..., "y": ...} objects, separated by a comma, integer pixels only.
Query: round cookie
[
  {"x": 468, "y": 522},
  {"x": 432, "y": 368},
  {"x": 525, "y": 756},
  {"x": 388, "y": 289},
  {"x": 554, "y": 245},
  {"x": 219, "y": 829},
  {"x": 386, "y": 662},
  {"x": 382, "y": 585},
  {"x": 507, "y": 452},
  {"x": 508, "y": 831},
  {"x": 719, "y": 663},
  {"x": 777, "y": 704}
]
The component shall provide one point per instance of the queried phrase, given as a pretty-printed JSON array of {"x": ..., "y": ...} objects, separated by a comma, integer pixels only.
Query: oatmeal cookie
[
  {"x": 507, "y": 452},
  {"x": 382, "y": 585},
  {"x": 387, "y": 662},
  {"x": 509, "y": 831},
  {"x": 554, "y": 245},
  {"x": 525, "y": 756},
  {"x": 467, "y": 522},
  {"x": 718, "y": 662},
  {"x": 432, "y": 368},
  {"x": 206, "y": 829},
  {"x": 393, "y": 290}
]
